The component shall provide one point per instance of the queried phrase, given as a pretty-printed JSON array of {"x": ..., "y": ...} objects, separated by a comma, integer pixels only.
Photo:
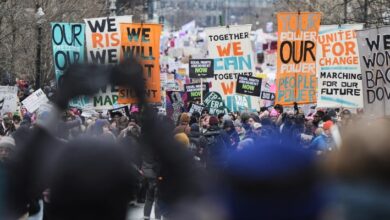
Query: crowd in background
[{"x": 212, "y": 143}]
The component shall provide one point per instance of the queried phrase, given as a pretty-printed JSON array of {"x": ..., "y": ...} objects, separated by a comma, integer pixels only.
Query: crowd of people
[{"x": 210, "y": 143}]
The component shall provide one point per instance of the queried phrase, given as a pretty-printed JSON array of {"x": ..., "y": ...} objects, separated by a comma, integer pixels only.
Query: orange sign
[
  {"x": 296, "y": 64},
  {"x": 142, "y": 41}
]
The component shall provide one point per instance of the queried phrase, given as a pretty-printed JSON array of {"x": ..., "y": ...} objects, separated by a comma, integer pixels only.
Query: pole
[
  {"x": 366, "y": 12},
  {"x": 201, "y": 91},
  {"x": 38, "y": 60},
  {"x": 345, "y": 11}
]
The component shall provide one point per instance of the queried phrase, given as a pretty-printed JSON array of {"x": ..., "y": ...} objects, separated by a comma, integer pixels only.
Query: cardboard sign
[
  {"x": 231, "y": 49},
  {"x": 270, "y": 96},
  {"x": 338, "y": 67},
  {"x": 35, "y": 100},
  {"x": 68, "y": 46},
  {"x": 201, "y": 68},
  {"x": 8, "y": 99},
  {"x": 215, "y": 104},
  {"x": 296, "y": 64},
  {"x": 142, "y": 41},
  {"x": 247, "y": 85},
  {"x": 196, "y": 108},
  {"x": 125, "y": 111},
  {"x": 103, "y": 43},
  {"x": 374, "y": 49},
  {"x": 194, "y": 90}
]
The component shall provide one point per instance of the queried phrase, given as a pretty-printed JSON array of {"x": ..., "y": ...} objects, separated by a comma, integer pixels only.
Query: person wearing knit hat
[
  {"x": 183, "y": 139},
  {"x": 213, "y": 121},
  {"x": 7, "y": 145},
  {"x": 327, "y": 125},
  {"x": 323, "y": 142}
]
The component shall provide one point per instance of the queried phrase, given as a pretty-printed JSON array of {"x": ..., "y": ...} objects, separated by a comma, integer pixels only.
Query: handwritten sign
[
  {"x": 374, "y": 49},
  {"x": 35, "y": 100}
]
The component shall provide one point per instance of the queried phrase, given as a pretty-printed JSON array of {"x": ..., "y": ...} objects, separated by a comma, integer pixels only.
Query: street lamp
[{"x": 39, "y": 17}]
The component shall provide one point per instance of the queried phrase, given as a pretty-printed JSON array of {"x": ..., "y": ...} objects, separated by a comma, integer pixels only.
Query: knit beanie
[
  {"x": 213, "y": 121},
  {"x": 183, "y": 139},
  {"x": 7, "y": 142}
]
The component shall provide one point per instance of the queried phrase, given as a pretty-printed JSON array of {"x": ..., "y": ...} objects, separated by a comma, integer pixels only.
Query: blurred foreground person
[
  {"x": 362, "y": 169},
  {"x": 91, "y": 179}
]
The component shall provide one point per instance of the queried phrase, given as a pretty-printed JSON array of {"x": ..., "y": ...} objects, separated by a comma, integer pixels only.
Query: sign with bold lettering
[
  {"x": 196, "y": 108},
  {"x": 247, "y": 85},
  {"x": 215, "y": 104},
  {"x": 124, "y": 111},
  {"x": 194, "y": 90},
  {"x": 201, "y": 68},
  {"x": 103, "y": 43},
  {"x": 240, "y": 103},
  {"x": 270, "y": 96},
  {"x": 68, "y": 46},
  {"x": 231, "y": 49},
  {"x": 142, "y": 41},
  {"x": 8, "y": 99},
  {"x": 374, "y": 49},
  {"x": 338, "y": 67},
  {"x": 296, "y": 64}
]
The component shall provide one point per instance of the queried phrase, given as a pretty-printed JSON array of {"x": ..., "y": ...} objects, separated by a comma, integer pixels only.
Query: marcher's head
[
  {"x": 318, "y": 116},
  {"x": 205, "y": 121},
  {"x": 228, "y": 125},
  {"x": 220, "y": 117},
  {"x": 183, "y": 139},
  {"x": 238, "y": 127},
  {"x": 256, "y": 128},
  {"x": 278, "y": 108},
  {"x": 213, "y": 121},
  {"x": 7, "y": 145},
  {"x": 327, "y": 126},
  {"x": 184, "y": 119}
]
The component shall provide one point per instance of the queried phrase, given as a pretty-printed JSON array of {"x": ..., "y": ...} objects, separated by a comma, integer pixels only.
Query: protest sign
[
  {"x": 248, "y": 85},
  {"x": 35, "y": 100},
  {"x": 338, "y": 67},
  {"x": 194, "y": 90},
  {"x": 201, "y": 68},
  {"x": 142, "y": 41},
  {"x": 103, "y": 43},
  {"x": 68, "y": 46},
  {"x": 215, "y": 104},
  {"x": 82, "y": 102},
  {"x": 196, "y": 108},
  {"x": 176, "y": 104},
  {"x": 231, "y": 49},
  {"x": 124, "y": 111},
  {"x": 374, "y": 49},
  {"x": 240, "y": 103},
  {"x": 8, "y": 99},
  {"x": 296, "y": 64},
  {"x": 270, "y": 96}
]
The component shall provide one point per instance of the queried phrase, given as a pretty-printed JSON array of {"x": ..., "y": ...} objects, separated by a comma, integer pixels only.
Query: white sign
[
  {"x": 36, "y": 99},
  {"x": 8, "y": 99}
]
